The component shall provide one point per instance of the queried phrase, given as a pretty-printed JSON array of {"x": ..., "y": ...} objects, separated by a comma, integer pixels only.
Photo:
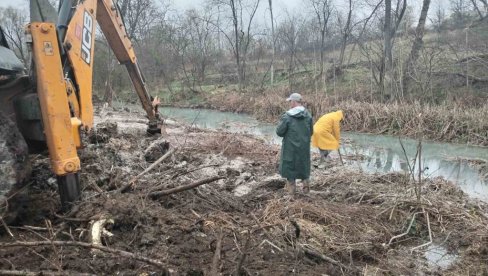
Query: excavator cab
[{"x": 53, "y": 106}]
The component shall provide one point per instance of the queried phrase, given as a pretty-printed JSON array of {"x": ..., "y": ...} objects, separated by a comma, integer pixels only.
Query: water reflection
[
  {"x": 378, "y": 153},
  {"x": 438, "y": 257},
  {"x": 385, "y": 154}
]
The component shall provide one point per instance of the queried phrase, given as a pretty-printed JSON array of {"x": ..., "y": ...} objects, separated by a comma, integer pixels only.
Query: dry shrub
[
  {"x": 335, "y": 228},
  {"x": 447, "y": 122},
  {"x": 352, "y": 217},
  {"x": 233, "y": 145}
]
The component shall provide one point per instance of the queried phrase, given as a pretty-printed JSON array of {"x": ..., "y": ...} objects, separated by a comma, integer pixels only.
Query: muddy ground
[{"x": 243, "y": 224}]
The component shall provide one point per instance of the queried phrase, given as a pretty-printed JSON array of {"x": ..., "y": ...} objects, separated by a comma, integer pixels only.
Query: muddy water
[{"x": 378, "y": 153}]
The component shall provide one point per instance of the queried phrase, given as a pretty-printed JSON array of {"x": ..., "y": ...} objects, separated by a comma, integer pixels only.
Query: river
[{"x": 378, "y": 153}]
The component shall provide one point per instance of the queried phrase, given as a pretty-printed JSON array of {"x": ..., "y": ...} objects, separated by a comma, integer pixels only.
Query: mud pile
[{"x": 241, "y": 221}]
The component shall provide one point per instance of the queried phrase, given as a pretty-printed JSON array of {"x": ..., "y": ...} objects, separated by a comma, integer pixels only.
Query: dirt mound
[{"x": 240, "y": 222}]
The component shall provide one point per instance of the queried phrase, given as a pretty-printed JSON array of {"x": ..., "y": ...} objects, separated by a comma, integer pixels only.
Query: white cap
[{"x": 294, "y": 97}]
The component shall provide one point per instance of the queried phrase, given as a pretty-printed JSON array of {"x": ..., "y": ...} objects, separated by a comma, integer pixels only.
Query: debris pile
[{"x": 211, "y": 203}]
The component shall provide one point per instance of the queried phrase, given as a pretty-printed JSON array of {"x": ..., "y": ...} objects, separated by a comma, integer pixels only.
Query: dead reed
[{"x": 445, "y": 122}]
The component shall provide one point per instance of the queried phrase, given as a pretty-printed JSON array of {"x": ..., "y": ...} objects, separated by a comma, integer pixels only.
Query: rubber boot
[
  {"x": 306, "y": 186},
  {"x": 291, "y": 188},
  {"x": 322, "y": 163}
]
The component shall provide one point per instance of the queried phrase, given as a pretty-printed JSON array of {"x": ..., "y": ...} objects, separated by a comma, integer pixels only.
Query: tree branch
[{"x": 119, "y": 252}]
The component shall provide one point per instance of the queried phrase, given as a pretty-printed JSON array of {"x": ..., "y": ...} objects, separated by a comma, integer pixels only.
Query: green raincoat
[{"x": 296, "y": 128}]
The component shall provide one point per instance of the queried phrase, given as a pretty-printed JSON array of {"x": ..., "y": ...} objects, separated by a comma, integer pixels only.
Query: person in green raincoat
[{"x": 296, "y": 128}]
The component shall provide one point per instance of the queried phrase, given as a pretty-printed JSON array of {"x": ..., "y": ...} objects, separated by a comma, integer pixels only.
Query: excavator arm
[
  {"x": 111, "y": 23},
  {"x": 63, "y": 55},
  {"x": 80, "y": 40}
]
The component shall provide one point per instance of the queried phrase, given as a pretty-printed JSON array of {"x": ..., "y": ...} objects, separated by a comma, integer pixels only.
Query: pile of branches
[{"x": 160, "y": 217}]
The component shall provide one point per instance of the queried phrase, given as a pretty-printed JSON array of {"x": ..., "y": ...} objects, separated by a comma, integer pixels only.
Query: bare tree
[
  {"x": 200, "y": 47},
  {"x": 273, "y": 41},
  {"x": 439, "y": 17},
  {"x": 481, "y": 8},
  {"x": 390, "y": 28},
  {"x": 364, "y": 22},
  {"x": 13, "y": 21},
  {"x": 288, "y": 35},
  {"x": 387, "y": 53},
  {"x": 242, "y": 14},
  {"x": 140, "y": 15},
  {"x": 460, "y": 12},
  {"x": 346, "y": 30},
  {"x": 417, "y": 43},
  {"x": 323, "y": 10}
]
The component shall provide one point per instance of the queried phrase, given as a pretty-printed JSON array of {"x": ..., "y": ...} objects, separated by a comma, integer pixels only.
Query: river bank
[
  {"x": 443, "y": 123},
  {"x": 351, "y": 223}
]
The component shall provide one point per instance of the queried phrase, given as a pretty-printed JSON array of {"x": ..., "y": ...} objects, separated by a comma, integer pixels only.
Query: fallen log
[
  {"x": 153, "y": 165},
  {"x": 155, "y": 195},
  {"x": 119, "y": 252}
]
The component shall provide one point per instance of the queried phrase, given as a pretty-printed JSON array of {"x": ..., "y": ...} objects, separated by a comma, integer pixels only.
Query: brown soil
[{"x": 343, "y": 226}]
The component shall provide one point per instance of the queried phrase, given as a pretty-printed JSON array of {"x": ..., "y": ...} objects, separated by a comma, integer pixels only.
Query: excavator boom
[
  {"x": 79, "y": 41},
  {"x": 63, "y": 55}
]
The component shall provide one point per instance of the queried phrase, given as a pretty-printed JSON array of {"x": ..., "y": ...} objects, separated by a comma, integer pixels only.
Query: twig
[
  {"x": 86, "y": 245},
  {"x": 155, "y": 195},
  {"x": 272, "y": 244},
  {"x": 153, "y": 165},
  {"x": 215, "y": 261},
  {"x": 228, "y": 142},
  {"x": 191, "y": 126},
  {"x": 340, "y": 156},
  {"x": 324, "y": 258},
  {"x": 266, "y": 233},
  {"x": 406, "y": 158},
  {"x": 37, "y": 273},
  {"x": 244, "y": 255},
  {"x": 306, "y": 250},
  {"x": 193, "y": 170},
  {"x": 420, "y": 171},
  {"x": 96, "y": 188},
  {"x": 430, "y": 233},
  {"x": 6, "y": 228},
  {"x": 406, "y": 232}
]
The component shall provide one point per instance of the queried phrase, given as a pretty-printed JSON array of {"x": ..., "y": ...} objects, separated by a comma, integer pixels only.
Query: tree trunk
[
  {"x": 345, "y": 35},
  {"x": 237, "y": 45},
  {"x": 387, "y": 55},
  {"x": 109, "y": 92},
  {"x": 417, "y": 44},
  {"x": 322, "y": 50},
  {"x": 273, "y": 41}
]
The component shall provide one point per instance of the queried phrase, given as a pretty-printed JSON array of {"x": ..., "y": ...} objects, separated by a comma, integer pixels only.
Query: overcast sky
[
  {"x": 179, "y": 4},
  {"x": 279, "y": 6}
]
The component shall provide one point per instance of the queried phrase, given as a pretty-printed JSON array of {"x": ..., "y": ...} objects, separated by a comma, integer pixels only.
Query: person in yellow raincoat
[{"x": 327, "y": 133}]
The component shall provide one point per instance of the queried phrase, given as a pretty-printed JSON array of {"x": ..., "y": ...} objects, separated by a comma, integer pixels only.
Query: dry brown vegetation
[
  {"x": 347, "y": 224},
  {"x": 448, "y": 122}
]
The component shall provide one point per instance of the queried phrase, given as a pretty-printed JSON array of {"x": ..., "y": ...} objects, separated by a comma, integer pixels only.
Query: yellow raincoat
[{"x": 327, "y": 131}]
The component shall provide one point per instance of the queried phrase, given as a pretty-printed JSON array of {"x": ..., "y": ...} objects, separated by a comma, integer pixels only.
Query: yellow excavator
[{"x": 52, "y": 105}]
